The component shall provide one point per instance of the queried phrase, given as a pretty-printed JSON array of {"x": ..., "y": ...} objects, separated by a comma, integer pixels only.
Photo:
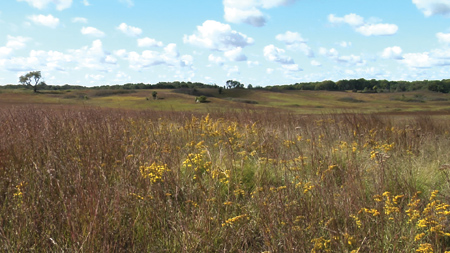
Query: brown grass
[{"x": 107, "y": 180}]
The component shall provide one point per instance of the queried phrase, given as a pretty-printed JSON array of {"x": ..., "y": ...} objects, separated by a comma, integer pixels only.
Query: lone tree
[
  {"x": 154, "y": 95},
  {"x": 29, "y": 77}
]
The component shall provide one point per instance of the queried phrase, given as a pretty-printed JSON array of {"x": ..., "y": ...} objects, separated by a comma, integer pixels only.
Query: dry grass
[{"x": 97, "y": 180}]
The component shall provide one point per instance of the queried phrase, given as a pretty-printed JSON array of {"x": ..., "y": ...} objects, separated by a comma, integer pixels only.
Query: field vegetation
[{"x": 91, "y": 176}]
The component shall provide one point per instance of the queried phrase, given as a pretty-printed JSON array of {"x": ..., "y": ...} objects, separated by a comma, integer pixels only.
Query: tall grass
[{"x": 110, "y": 180}]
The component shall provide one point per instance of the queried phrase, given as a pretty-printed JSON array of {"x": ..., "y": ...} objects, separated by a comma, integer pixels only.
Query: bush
[{"x": 201, "y": 99}]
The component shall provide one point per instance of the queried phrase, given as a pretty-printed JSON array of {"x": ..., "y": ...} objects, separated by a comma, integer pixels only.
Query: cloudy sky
[{"x": 258, "y": 42}]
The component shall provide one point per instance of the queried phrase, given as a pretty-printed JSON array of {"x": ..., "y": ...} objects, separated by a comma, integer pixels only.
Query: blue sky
[{"x": 258, "y": 42}]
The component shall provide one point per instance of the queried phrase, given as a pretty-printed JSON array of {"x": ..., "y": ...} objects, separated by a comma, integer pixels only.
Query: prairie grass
[{"x": 104, "y": 180}]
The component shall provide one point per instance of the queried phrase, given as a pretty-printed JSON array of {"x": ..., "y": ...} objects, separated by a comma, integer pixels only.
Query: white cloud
[
  {"x": 332, "y": 53},
  {"x": 129, "y": 30},
  {"x": 291, "y": 67},
  {"x": 251, "y": 16},
  {"x": 94, "y": 77},
  {"x": 290, "y": 38},
  {"x": 345, "y": 44},
  {"x": 419, "y": 60},
  {"x": 79, "y": 20},
  {"x": 363, "y": 27},
  {"x": 249, "y": 11},
  {"x": 377, "y": 29},
  {"x": 316, "y": 63},
  {"x": 232, "y": 71},
  {"x": 41, "y": 4},
  {"x": 16, "y": 43},
  {"x": 48, "y": 20},
  {"x": 351, "y": 59},
  {"x": 441, "y": 53},
  {"x": 169, "y": 57},
  {"x": 92, "y": 31},
  {"x": 5, "y": 52},
  {"x": 86, "y": 2},
  {"x": 350, "y": 19},
  {"x": 217, "y": 36},
  {"x": 94, "y": 57},
  {"x": 122, "y": 53},
  {"x": 443, "y": 37},
  {"x": 275, "y": 54},
  {"x": 216, "y": 59},
  {"x": 235, "y": 54},
  {"x": 433, "y": 7},
  {"x": 148, "y": 42},
  {"x": 269, "y": 71},
  {"x": 436, "y": 57},
  {"x": 295, "y": 42},
  {"x": 186, "y": 60},
  {"x": 347, "y": 59},
  {"x": 252, "y": 63},
  {"x": 37, "y": 59},
  {"x": 392, "y": 53}
]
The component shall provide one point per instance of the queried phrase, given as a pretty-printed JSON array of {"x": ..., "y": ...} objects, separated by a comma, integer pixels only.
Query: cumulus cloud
[
  {"x": 249, "y": 12},
  {"x": 216, "y": 59},
  {"x": 350, "y": 19},
  {"x": 41, "y": 4},
  {"x": 295, "y": 42},
  {"x": 169, "y": 57},
  {"x": 48, "y": 20},
  {"x": 443, "y": 37},
  {"x": 419, "y": 60},
  {"x": 377, "y": 29},
  {"x": 316, "y": 63},
  {"x": 94, "y": 77},
  {"x": 347, "y": 59},
  {"x": 433, "y": 7},
  {"x": 129, "y": 30},
  {"x": 37, "y": 59},
  {"x": 436, "y": 57},
  {"x": 235, "y": 54},
  {"x": 217, "y": 36},
  {"x": 149, "y": 42},
  {"x": 16, "y": 43},
  {"x": 275, "y": 54},
  {"x": 291, "y": 68},
  {"x": 232, "y": 71},
  {"x": 345, "y": 44},
  {"x": 92, "y": 31},
  {"x": 290, "y": 38},
  {"x": 94, "y": 57},
  {"x": 363, "y": 27},
  {"x": 392, "y": 53},
  {"x": 79, "y": 20}
]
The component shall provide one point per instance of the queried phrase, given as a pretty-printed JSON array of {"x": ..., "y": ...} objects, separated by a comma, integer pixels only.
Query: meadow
[{"x": 351, "y": 173}]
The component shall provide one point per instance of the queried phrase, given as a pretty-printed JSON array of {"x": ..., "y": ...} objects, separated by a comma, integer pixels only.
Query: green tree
[
  {"x": 29, "y": 78},
  {"x": 232, "y": 84},
  {"x": 154, "y": 94}
]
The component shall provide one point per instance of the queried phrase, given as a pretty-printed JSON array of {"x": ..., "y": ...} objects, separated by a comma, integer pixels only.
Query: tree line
[{"x": 32, "y": 80}]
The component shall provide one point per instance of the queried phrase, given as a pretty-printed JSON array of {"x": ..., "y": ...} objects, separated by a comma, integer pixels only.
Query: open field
[
  {"x": 293, "y": 172},
  {"x": 299, "y": 102}
]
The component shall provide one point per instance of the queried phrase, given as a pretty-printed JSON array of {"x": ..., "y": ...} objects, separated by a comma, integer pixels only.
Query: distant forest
[{"x": 356, "y": 85}]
